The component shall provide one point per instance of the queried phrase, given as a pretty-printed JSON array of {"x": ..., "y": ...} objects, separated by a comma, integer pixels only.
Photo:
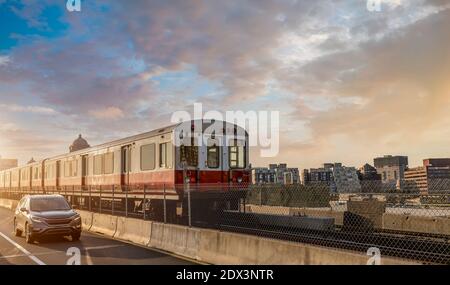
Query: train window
[
  {"x": 98, "y": 164},
  {"x": 66, "y": 169},
  {"x": 36, "y": 173},
  {"x": 213, "y": 160},
  {"x": 237, "y": 156},
  {"x": 148, "y": 157},
  {"x": 165, "y": 155},
  {"x": 189, "y": 155},
  {"x": 109, "y": 163},
  {"x": 74, "y": 168}
]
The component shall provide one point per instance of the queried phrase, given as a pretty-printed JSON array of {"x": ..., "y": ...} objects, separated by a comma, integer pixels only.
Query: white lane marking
[
  {"x": 103, "y": 247},
  {"x": 88, "y": 257},
  {"x": 24, "y": 255},
  {"x": 26, "y": 252}
]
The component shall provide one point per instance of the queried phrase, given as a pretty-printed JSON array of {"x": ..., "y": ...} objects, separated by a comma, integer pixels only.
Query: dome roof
[{"x": 79, "y": 144}]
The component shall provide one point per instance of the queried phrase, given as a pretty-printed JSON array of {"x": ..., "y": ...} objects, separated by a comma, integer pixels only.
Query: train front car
[{"x": 211, "y": 168}]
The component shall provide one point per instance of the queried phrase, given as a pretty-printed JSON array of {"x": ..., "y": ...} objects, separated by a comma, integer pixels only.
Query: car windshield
[{"x": 49, "y": 204}]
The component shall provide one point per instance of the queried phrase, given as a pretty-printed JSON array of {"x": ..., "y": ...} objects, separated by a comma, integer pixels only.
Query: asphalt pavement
[{"x": 91, "y": 249}]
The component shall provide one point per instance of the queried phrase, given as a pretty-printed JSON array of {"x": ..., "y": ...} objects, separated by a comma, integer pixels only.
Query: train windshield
[
  {"x": 189, "y": 155},
  {"x": 237, "y": 156}
]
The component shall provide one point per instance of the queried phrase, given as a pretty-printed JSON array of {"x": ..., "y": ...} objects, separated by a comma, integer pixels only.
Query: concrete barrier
[
  {"x": 217, "y": 247},
  {"x": 292, "y": 211},
  {"x": 14, "y": 204},
  {"x": 225, "y": 248},
  {"x": 433, "y": 225},
  {"x": 133, "y": 230},
  {"x": 104, "y": 224},
  {"x": 8, "y": 204},
  {"x": 86, "y": 219},
  {"x": 177, "y": 239}
]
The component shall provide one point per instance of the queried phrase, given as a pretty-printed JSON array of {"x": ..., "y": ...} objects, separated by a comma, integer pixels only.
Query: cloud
[
  {"x": 110, "y": 113},
  {"x": 28, "y": 109},
  {"x": 349, "y": 77},
  {"x": 4, "y": 60}
]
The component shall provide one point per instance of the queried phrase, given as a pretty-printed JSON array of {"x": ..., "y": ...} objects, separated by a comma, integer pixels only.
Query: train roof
[{"x": 151, "y": 133}]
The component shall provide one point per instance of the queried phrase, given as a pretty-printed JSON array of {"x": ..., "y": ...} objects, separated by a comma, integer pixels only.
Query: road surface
[{"x": 93, "y": 249}]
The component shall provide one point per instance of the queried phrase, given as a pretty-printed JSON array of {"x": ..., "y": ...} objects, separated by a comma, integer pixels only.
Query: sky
[{"x": 350, "y": 83}]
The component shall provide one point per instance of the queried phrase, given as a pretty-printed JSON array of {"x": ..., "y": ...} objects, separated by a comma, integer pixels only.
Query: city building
[
  {"x": 317, "y": 175},
  {"x": 78, "y": 144},
  {"x": 392, "y": 170},
  {"x": 276, "y": 173},
  {"x": 8, "y": 163},
  {"x": 345, "y": 179},
  {"x": 432, "y": 177},
  {"x": 369, "y": 179},
  {"x": 262, "y": 175},
  {"x": 340, "y": 178}
]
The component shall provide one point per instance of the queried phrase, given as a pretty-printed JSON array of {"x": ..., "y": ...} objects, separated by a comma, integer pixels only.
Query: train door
[
  {"x": 126, "y": 166},
  {"x": 58, "y": 174},
  {"x": 84, "y": 170}
]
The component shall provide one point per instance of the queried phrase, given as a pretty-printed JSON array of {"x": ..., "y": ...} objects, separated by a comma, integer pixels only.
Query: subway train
[{"x": 161, "y": 161}]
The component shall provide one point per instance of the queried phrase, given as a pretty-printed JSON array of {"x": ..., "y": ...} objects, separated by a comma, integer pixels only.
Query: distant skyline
[{"x": 350, "y": 84}]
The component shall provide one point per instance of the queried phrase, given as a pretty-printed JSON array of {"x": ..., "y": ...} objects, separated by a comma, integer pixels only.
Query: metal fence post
[
  {"x": 260, "y": 195},
  {"x": 165, "y": 207},
  {"x": 189, "y": 204},
  {"x": 112, "y": 203},
  {"x": 126, "y": 203},
  {"x": 90, "y": 198},
  {"x": 100, "y": 200},
  {"x": 144, "y": 206}
]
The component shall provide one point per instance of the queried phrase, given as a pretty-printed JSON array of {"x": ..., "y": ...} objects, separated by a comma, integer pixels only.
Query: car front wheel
[
  {"x": 28, "y": 236},
  {"x": 17, "y": 232},
  {"x": 76, "y": 237}
]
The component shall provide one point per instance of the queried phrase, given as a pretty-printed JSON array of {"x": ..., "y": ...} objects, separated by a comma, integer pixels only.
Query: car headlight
[
  {"x": 76, "y": 220},
  {"x": 37, "y": 219}
]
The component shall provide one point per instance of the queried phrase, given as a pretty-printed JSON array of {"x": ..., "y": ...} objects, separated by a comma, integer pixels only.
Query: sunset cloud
[
  {"x": 349, "y": 83},
  {"x": 110, "y": 113}
]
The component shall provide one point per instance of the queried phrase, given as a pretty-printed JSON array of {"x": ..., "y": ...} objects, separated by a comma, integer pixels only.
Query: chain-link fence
[{"x": 399, "y": 222}]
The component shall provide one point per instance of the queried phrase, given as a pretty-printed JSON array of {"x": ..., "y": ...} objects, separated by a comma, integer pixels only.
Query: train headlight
[{"x": 239, "y": 180}]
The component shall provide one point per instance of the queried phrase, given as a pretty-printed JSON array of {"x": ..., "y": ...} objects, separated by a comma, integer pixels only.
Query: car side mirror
[{"x": 24, "y": 210}]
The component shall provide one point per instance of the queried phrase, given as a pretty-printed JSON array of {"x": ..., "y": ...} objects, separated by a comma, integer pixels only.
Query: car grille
[
  {"x": 58, "y": 221},
  {"x": 58, "y": 231}
]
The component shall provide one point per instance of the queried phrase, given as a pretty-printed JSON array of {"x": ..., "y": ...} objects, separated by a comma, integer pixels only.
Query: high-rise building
[
  {"x": 8, "y": 163},
  {"x": 432, "y": 177},
  {"x": 392, "y": 170}
]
